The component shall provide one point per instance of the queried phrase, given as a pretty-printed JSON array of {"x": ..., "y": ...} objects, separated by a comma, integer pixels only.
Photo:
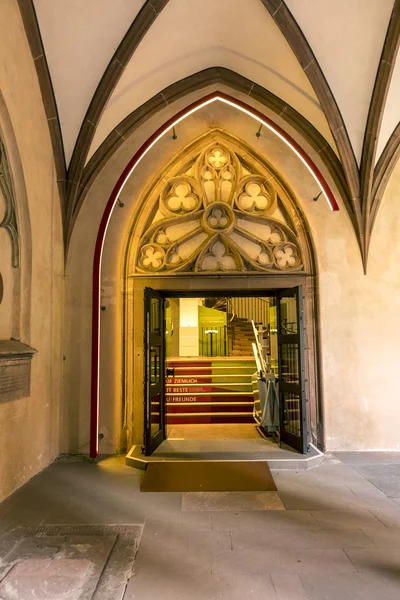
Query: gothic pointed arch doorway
[{"x": 217, "y": 221}]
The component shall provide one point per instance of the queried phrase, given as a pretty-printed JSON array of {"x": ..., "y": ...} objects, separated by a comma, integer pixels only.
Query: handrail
[{"x": 258, "y": 353}]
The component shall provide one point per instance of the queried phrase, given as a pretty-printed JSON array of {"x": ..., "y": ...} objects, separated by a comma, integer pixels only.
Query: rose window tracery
[{"x": 216, "y": 216}]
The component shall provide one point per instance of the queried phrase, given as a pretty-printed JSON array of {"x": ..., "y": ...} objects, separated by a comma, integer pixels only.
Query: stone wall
[{"x": 29, "y": 425}]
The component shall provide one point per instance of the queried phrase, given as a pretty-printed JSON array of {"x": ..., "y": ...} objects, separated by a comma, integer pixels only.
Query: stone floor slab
[
  {"x": 334, "y": 497},
  {"x": 152, "y": 580},
  {"x": 287, "y": 539},
  {"x": 382, "y": 560},
  {"x": 355, "y": 586},
  {"x": 386, "y": 478},
  {"x": 289, "y": 587},
  {"x": 383, "y": 536},
  {"x": 264, "y": 520},
  {"x": 231, "y": 501},
  {"x": 181, "y": 546},
  {"x": 277, "y": 562},
  {"x": 365, "y": 458},
  {"x": 33, "y": 579},
  {"x": 389, "y": 517},
  {"x": 36, "y": 555},
  {"x": 194, "y": 521},
  {"x": 346, "y": 519},
  {"x": 240, "y": 587},
  {"x": 118, "y": 569},
  {"x": 337, "y": 474}
]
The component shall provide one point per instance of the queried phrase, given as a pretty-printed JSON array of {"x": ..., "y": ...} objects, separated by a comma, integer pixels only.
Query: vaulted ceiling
[{"x": 335, "y": 64}]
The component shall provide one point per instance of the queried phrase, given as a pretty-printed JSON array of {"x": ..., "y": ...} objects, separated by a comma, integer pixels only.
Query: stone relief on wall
[
  {"x": 8, "y": 217},
  {"x": 216, "y": 216}
]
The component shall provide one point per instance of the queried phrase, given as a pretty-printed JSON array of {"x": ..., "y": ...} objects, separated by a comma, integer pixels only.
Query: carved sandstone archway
[
  {"x": 218, "y": 208},
  {"x": 216, "y": 217}
]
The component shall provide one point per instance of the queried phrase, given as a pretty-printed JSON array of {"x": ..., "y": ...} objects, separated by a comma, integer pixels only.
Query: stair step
[
  {"x": 208, "y": 419},
  {"x": 209, "y": 410},
  {"x": 209, "y": 384},
  {"x": 210, "y": 401},
  {"x": 228, "y": 393},
  {"x": 215, "y": 367},
  {"x": 243, "y": 403},
  {"x": 213, "y": 414},
  {"x": 212, "y": 390},
  {"x": 211, "y": 376}
]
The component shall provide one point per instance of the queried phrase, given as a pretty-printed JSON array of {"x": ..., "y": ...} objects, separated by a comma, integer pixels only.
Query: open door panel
[
  {"x": 154, "y": 371},
  {"x": 293, "y": 430}
]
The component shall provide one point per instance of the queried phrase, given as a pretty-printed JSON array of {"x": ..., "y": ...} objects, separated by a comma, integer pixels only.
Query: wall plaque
[
  {"x": 15, "y": 380},
  {"x": 15, "y": 370}
]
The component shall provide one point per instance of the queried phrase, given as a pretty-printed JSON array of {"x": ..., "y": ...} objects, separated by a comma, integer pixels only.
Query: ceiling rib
[
  {"x": 32, "y": 30},
  {"x": 301, "y": 48},
  {"x": 369, "y": 174},
  {"x": 383, "y": 170}
]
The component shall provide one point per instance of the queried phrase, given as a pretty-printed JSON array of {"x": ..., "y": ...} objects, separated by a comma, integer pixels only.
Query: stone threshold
[{"x": 279, "y": 459}]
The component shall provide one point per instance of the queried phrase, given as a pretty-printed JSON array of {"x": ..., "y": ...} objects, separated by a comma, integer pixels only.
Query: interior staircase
[
  {"x": 242, "y": 337},
  {"x": 210, "y": 390},
  {"x": 240, "y": 312}
]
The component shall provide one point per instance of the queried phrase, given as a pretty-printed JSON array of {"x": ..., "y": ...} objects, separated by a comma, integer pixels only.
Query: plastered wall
[
  {"x": 358, "y": 324},
  {"x": 30, "y": 426}
]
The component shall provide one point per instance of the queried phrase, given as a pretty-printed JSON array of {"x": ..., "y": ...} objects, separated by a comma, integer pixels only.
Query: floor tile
[
  {"x": 194, "y": 521},
  {"x": 356, "y": 586},
  {"x": 386, "y": 478},
  {"x": 383, "y": 536},
  {"x": 345, "y": 519},
  {"x": 389, "y": 517},
  {"x": 364, "y": 458},
  {"x": 383, "y": 560},
  {"x": 67, "y": 562},
  {"x": 288, "y": 561},
  {"x": 31, "y": 579},
  {"x": 237, "y": 586},
  {"x": 231, "y": 501},
  {"x": 306, "y": 538},
  {"x": 156, "y": 580},
  {"x": 181, "y": 546},
  {"x": 289, "y": 587},
  {"x": 333, "y": 498},
  {"x": 292, "y": 519}
]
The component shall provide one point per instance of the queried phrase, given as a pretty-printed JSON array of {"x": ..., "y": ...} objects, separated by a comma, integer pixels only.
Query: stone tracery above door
[{"x": 218, "y": 213}]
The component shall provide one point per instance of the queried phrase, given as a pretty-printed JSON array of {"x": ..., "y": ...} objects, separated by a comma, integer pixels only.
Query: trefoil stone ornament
[{"x": 217, "y": 216}]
